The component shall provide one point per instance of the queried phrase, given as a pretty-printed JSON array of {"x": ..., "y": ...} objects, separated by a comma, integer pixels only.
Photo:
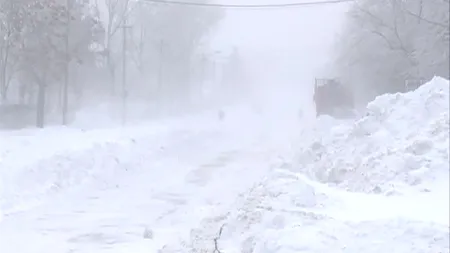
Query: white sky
[
  {"x": 303, "y": 33},
  {"x": 299, "y": 36},
  {"x": 288, "y": 46},
  {"x": 284, "y": 47}
]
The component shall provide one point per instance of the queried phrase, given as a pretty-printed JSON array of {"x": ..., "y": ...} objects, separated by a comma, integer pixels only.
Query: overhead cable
[{"x": 249, "y": 6}]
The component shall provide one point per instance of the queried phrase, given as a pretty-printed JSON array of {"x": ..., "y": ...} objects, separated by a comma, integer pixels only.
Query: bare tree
[
  {"x": 385, "y": 42},
  {"x": 117, "y": 12},
  {"x": 54, "y": 38},
  {"x": 12, "y": 13}
]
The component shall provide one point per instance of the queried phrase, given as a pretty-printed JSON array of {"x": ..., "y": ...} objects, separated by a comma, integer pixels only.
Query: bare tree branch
[{"x": 431, "y": 22}]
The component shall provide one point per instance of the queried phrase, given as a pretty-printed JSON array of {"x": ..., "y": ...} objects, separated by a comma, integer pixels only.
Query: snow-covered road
[
  {"x": 250, "y": 184},
  {"x": 168, "y": 184}
]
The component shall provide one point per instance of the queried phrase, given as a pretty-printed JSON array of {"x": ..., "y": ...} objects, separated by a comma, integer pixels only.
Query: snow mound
[
  {"x": 399, "y": 148},
  {"x": 401, "y": 143},
  {"x": 36, "y": 164},
  {"x": 287, "y": 212},
  {"x": 26, "y": 186}
]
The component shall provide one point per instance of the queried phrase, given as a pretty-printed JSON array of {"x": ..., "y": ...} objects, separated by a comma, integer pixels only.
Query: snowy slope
[
  {"x": 164, "y": 177},
  {"x": 377, "y": 184},
  {"x": 34, "y": 164},
  {"x": 402, "y": 141},
  {"x": 287, "y": 212}
]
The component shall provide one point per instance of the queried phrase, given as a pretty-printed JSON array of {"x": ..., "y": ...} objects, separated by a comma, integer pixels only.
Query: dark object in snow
[
  {"x": 221, "y": 115},
  {"x": 148, "y": 233},
  {"x": 332, "y": 98}
]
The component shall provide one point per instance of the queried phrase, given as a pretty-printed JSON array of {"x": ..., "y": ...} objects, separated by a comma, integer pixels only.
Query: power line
[{"x": 251, "y": 6}]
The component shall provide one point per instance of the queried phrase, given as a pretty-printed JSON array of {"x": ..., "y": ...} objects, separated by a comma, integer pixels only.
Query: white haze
[
  {"x": 235, "y": 165},
  {"x": 281, "y": 51},
  {"x": 284, "y": 49}
]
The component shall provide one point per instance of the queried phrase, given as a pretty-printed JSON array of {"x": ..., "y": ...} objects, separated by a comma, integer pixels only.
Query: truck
[{"x": 332, "y": 98}]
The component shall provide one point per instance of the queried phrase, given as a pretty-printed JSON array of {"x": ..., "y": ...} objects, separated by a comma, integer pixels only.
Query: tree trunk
[
  {"x": 40, "y": 115},
  {"x": 112, "y": 73},
  {"x": 4, "y": 82},
  {"x": 65, "y": 98}
]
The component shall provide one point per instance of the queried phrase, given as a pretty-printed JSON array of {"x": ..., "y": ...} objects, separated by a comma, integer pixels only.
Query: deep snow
[
  {"x": 383, "y": 205},
  {"x": 259, "y": 183},
  {"x": 402, "y": 141}
]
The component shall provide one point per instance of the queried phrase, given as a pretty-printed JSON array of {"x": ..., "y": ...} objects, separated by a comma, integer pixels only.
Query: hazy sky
[
  {"x": 281, "y": 37},
  {"x": 286, "y": 47},
  {"x": 283, "y": 47},
  {"x": 303, "y": 33}
]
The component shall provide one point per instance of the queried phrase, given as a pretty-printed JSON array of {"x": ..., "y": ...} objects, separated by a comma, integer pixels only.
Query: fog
[
  {"x": 284, "y": 49},
  {"x": 184, "y": 126},
  {"x": 118, "y": 62},
  {"x": 127, "y": 61}
]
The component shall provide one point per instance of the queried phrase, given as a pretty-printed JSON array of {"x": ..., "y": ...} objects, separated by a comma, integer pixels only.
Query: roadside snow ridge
[{"x": 402, "y": 143}]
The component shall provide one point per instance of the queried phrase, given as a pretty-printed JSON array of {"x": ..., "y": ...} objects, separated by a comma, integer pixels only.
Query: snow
[
  {"x": 254, "y": 182},
  {"x": 401, "y": 141},
  {"x": 35, "y": 163},
  {"x": 310, "y": 205},
  {"x": 289, "y": 213}
]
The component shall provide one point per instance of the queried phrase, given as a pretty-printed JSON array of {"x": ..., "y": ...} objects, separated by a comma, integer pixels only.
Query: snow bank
[
  {"x": 399, "y": 149},
  {"x": 35, "y": 164},
  {"x": 402, "y": 141},
  {"x": 287, "y": 213}
]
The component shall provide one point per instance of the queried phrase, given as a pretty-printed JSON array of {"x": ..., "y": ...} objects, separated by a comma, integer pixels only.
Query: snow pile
[
  {"x": 402, "y": 141},
  {"x": 288, "y": 213},
  {"x": 35, "y": 164},
  {"x": 398, "y": 150}
]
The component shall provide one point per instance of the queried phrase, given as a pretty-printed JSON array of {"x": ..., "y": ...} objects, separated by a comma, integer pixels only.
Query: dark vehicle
[{"x": 332, "y": 98}]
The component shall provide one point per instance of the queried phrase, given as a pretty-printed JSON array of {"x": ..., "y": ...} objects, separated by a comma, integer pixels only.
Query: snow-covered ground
[
  {"x": 100, "y": 190},
  {"x": 402, "y": 140},
  {"x": 253, "y": 183}
]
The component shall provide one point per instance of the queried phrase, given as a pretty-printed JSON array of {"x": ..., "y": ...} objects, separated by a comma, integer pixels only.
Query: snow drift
[
  {"x": 402, "y": 141},
  {"x": 375, "y": 184},
  {"x": 35, "y": 164}
]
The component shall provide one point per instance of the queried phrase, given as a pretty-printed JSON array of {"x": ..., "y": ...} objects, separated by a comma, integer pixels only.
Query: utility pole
[{"x": 124, "y": 73}]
